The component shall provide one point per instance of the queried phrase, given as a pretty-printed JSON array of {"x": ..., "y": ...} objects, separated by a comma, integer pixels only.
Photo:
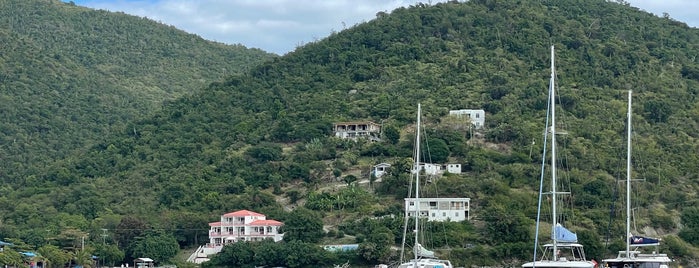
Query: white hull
[
  {"x": 427, "y": 263},
  {"x": 637, "y": 263},
  {"x": 559, "y": 264},
  {"x": 638, "y": 260}
]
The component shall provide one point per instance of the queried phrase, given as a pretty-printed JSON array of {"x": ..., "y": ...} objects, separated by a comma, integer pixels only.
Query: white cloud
[
  {"x": 279, "y": 26},
  {"x": 681, "y": 10}
]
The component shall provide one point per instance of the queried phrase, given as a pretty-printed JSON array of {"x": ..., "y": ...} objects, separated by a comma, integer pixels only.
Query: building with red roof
[{"x": 241, "y": 225}]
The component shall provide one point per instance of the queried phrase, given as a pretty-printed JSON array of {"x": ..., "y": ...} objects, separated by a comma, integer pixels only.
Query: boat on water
[
  {"x": 423, "y": 258},
  {"x": 635, "y": 258},
  {"x": 563, "y": 251}
]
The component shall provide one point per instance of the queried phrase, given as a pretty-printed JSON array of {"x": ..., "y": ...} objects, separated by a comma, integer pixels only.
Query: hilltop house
[
  {"x": 440, "y": 209},
  {"x": 477, "y": 117},
  {"x": 357, "y": 130},
  {"x": 242, "y": 225}
]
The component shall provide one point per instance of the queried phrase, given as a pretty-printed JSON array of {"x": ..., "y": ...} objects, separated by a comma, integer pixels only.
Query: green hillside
[
  {"x": 262, "y": 140},
  {"x": 70, "y": 75}
]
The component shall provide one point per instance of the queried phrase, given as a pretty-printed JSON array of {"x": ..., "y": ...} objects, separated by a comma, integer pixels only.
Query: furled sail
[
  {"x": 424, "y": 253},
  {"x": 643, "y": 241}
]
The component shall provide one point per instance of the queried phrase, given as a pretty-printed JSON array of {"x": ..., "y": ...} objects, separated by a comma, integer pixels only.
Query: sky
[{"x": 280, "y": 26}]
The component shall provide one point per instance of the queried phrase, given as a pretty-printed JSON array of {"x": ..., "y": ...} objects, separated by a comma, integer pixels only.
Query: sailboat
[
  {"x": 564, "y": 251},
  {"x": 423, "y": 258},
  {"x": 634, "y": 258}
]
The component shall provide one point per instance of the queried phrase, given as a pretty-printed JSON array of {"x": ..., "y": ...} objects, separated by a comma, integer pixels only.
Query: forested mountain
[
  {"x": 70, "y": 75},
  {"x": 262, "y": 140}
]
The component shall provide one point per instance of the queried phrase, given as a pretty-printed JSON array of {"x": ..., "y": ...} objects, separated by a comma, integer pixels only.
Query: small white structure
[
  {"x": 143, "y": 263},
  {"x": 477, "y": 117},
  {"x": 380, "y": 169},
  {"x": 454, "y": 168},
  {"x": 437, "y": 169},
  {"x": 440, "y": 209}
]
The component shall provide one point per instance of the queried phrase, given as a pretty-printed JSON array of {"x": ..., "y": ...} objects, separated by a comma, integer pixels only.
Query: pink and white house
[{"x": 241, "y": 225}]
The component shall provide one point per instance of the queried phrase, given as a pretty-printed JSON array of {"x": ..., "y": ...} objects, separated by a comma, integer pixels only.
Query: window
[
  {"x": 456, "y": 214},
  {"x": 444, "y": 214}
]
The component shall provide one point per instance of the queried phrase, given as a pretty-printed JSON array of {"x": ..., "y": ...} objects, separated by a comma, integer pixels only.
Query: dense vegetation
[
  {"x": 262, "y": 140},
  {"x": 70, "y": 75}
]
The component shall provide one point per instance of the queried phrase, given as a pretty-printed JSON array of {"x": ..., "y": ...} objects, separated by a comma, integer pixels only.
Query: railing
[{"x": 226, "y": 233}]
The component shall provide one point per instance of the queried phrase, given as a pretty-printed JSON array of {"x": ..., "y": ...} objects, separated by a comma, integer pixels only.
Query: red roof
[
  {"x": 218, "y": 223},
  {"x": 266, "y": 223},
  {"x": 242, "y": 213}
]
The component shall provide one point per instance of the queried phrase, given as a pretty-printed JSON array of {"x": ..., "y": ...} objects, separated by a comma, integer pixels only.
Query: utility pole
[{"x": 104, "y": 236}]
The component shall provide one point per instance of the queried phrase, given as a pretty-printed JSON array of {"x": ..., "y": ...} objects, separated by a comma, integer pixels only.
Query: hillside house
[
  {"x": 242, "y": 225},
  {"x": 357, "y": 130},
  {"x": 440, "y": 209},
  {"x": 380, "y": 169},
  {"x": 437, "y": 169},
  {"x": 477, "y": 117}
]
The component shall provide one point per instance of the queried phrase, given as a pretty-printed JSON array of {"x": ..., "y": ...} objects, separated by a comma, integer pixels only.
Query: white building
[
  {"x": 380, "y": 169},
  {"x": 440, "y": 209},
  {"x": 242, "y": 225},
  {"x": 437, "y": 169},
  {"x": 477, "y": 117}
]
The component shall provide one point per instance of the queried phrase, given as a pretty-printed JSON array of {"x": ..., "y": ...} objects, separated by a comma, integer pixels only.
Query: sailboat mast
[
  {"x": 417, "y": 183},
  {"x": 552, "y": 88},
  {"x": 628, "y": 176}
]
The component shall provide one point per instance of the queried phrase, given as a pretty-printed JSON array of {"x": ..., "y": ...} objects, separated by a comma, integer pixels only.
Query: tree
[
  {"x": 109, "y": 255},
  {"x": 239, "y": 254},
  {"x": 437, "y": 151},
  {"x": 303, "y": 225},
  {"x": 129, "y": 228},
  {"x": 391, "y": 133},
  {"x": 690, "y": 219},
  {"x": 377, "y": 245},
  {"x": 506, "y": 226},
  {"x": 156, "y": 245},
  {"x": 54, "y": 255},
  {"x": 83, "y": 257},
  {"x": 265, "y": 152},
  {"x": 349, "y": 179},
  {"x": 10, "y": 257}
]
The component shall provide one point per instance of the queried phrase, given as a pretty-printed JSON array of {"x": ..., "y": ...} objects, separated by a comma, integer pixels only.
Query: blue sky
[{"x": 279, "y": 26}]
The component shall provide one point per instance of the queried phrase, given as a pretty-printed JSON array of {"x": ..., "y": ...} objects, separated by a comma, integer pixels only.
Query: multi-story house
[
  {"x": 242, "y": 225},
  {"x": 477, "y": 117},
  {"x": 440, "y": 209},
  {"x": 358, "y": 130}
]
